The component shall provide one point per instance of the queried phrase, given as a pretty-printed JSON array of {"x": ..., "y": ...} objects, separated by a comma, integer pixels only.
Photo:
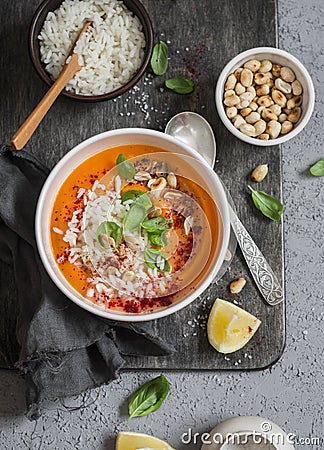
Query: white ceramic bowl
[
  {"x": 277, "y": 56},
  {"x": 265, "y": 434},
  {"x": 82, "y": 152}
]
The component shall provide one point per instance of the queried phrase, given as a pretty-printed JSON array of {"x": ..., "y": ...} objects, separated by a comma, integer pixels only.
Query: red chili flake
[
  {"x": 131, "y": 307},
  {"x": 250, "y": 329}
]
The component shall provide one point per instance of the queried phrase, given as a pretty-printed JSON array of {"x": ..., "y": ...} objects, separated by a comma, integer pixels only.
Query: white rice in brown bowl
[{"x": 110, "y": 52}]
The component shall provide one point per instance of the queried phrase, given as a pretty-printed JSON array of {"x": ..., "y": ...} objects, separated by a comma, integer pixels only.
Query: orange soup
[{"x": 133, "y": 228}]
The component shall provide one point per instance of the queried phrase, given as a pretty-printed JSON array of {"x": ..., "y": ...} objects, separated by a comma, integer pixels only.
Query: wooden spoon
[{"x": 22, "y": 136}]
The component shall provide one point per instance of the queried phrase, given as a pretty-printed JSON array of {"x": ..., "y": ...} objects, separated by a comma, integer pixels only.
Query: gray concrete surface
[{"x": 291, "y": 392}]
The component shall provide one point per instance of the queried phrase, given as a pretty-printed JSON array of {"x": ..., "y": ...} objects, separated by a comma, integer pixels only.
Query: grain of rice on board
[{"x": 111, "y": 51}]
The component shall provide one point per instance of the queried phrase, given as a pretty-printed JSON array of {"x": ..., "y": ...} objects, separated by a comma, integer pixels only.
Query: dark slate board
[{"x": 203, "y": 36}]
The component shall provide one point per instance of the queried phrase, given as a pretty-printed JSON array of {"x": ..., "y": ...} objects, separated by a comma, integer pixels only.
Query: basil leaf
[
  {"x": 268, "y": 205},
  {"x": 124, "y": 167},
  {"x": 156, "y": 260},
  {"x": 143, "y": 201},
  {"x": 157, "y": 224},
  {"x": 134, "y": 217},
  {"x": 159, "y": 60},
  {"x": 180, "y": 85},
  {"x": 149, "y": 397},
  {"x": 109, "y": 229},
  {"x": 130, "y": 195},
  {"x": 158, "y": 239},
  {"x": 317, "y": 170}
]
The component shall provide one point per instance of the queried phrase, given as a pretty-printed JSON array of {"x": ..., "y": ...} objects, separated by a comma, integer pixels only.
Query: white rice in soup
[{"x": 110, "y": 52}]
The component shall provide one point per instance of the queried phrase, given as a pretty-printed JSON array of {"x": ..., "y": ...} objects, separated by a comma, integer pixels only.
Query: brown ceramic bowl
[{"x": 51, "y": 5}]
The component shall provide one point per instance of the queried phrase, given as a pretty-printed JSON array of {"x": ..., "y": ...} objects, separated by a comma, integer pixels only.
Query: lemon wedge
[
  {"x": 229, "y": 327},
  {"x": 128, "y": 440}
]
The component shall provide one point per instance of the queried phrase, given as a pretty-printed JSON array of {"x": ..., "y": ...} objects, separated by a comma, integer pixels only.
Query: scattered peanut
[
  {"x": 247, "y": 96},
  {"x": 247, "y": 129},
  {"x": 266, "y": 66},
  {"x": 295, "y": 114},
  {"x": 283, "y": 86},
  {"x": 245, "y": 111},
  {"x": 237, "y": 73},
  {"x": 155, "y": 211},
  {"x": 157, "y": 183},
  {"x": 237, "y": 285},
  {"x": 286, "y": 126},
  {"x": 264, "y": 89},
  {"x": 129, "y": 275},
  {"x": 296, "y": 88},
  {"x": 172, "y": 179},
  {"x": 260, "y": 127},
  {"x": 259, "y": 173},
  {"x": 295, "y": 101},
  {"x": 253, "y": 117},
  {"x": 260, "y": 109},
  {"x": 229, "y": 92},
  {"x": 287, "y": 74},
  {"x": 246, "y": 77},
  {"x": 232, "y": 100},
  {"x": 279, "y": 98},
  {"x": 142, "y": 176},
  {"x": 268, "y": 115},
  {"x": 276, "y": 109},
  {"x": 252, "y": 91},
  {"x": 269, "y": 74},
  {"x": 238, "y": 121},
  {"x": 273, "y": 128},
  {"x": 231, "y": 82},
  {"x": 239, "y": 88},
  {"x": 228, "y": 255},
  {"x": 231, "y": 112},
  {"x": 261, "y": 78},
  {"x": 282, "y": 117},
  {"x": 264, "y": 136},
  {"x": 276, "y": 68},
  {"x": 287, "y": 111},
  {"x": 263, "y": 99},
  {"x": 254, "y": 65}
]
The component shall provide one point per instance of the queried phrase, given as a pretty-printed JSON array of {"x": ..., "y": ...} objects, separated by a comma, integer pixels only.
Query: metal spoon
[{"x": 195, "y": 131}]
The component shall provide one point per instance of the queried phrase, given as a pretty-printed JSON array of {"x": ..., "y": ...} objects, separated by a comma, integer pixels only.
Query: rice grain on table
[{"x": 111, "y": 51}]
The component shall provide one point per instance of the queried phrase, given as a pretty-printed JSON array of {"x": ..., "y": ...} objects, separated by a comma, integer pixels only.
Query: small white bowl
[
  {"x": 277, "y": 56},
  {"x": 234, "y": 433},
  {"x": 84, "y": 151}
]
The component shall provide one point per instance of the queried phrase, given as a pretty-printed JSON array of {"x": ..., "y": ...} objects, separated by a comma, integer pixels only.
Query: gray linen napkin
[{"x": 64, "y": 349}]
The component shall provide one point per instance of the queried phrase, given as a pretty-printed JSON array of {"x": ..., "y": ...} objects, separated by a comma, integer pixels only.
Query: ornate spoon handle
[{"x": 262, "y": 273}]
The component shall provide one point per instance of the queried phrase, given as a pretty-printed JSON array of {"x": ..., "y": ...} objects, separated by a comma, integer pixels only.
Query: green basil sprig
[
  {"x": 109, "y": 229},
  {"x": 268, "y": 205},
  {"x": 124, "y": 167},
  {"x": 160, "y": 240},
  {"x": 144, "y": 201},
  {"x": 149, "y": 397},
  {"x": 135, "y": 216},
  {"x": 317, "y": 170},
  {"x": 130, "y": 195},
  {"x": 180, "y": 85},
  {"x": 156, "y": 260},
  {"x": 159, "y": 60},
  {"x": 157, "y": 224}
]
